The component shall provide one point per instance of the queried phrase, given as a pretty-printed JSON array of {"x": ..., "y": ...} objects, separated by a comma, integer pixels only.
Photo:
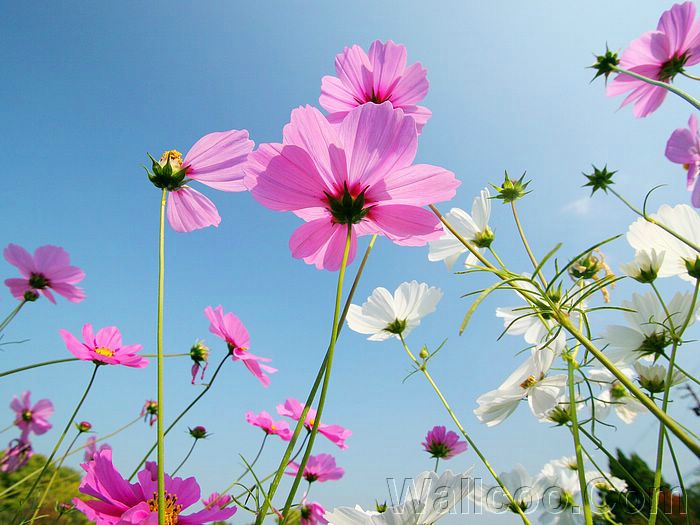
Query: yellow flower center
[
  {"x": 686, "y": 167},
  {"x": 172, "y": 157},
  {"x": 530, "y": 381},
  {"x": 104, "y": 351},
  {"x": 273, "y": 427},
  {"x": 172, "y": 508}
]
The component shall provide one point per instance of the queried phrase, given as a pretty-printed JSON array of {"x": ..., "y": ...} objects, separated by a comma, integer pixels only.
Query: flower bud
[
  {"x": 83, "y": 426},
  {"x": 167, "y": 173},
  {"x": 424, "y": 354},
  {"x": 605, "y": 64},
  {"x": 599, "y": 179},
  {"x": 381, "y": 507},
  {"x": 586, "y": 267},
  {"x": 693, "y": 267},
  {"x": 511, "y": 190},
  {"x": 198, "y": 432},
  {"x": 30, "y": 296},
  {"x": 484, "y": 238},
  {"x": 199, "y": 353}
]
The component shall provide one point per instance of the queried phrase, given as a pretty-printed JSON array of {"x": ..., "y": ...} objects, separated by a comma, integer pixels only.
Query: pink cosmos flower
[
  {"x": 30, "y": 418},
  {"x": 150, "y": 411},
  {"x": 443, "y": 444},
  {"x": 292, "y": 408},
  {"x": 660, "y": 55},
  {"x": 122, "y": 503},
  {"x": 217, "y": 500},
  {"x": 215, "y": 160},
  {"x": 16, "y": 455},
  {"x": 104, "y": 348},
  {"x": 683, "y": 147},
  {"x": 318, "y": 468},
  {"x": 264, "y": 420},
  {"x": 230, "y": 328},
  {"x": 45, "y": 272},
  {"x": 358, "y": 175},
  {"x": 377, "y": 77},
  {"x": 91, "y": 449},
  {"x": 312, "y": 513}
]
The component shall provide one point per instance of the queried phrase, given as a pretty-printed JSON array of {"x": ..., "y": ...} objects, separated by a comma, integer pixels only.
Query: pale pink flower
[
  {"x": 30, "y": 418},
  {"x": 105, "y": 348},
  {"x": 318, "y": 468},
  {"x": 359, "y": 174},
  {"x": 119, "y": 502},
  {"x": 215, "y": 160},
  {"x": 264, "y": 420},
  {"x": 683, "y": 147},
  {"x": 230, "y": 328},
  {"x": 47, "y": 271},
  {"x": 659, "y": 55},
  {"x": 378, "y": 76},
  {"x": 16, "y": 455},
  {"x": 91, "y": 448},
  {"x": 293, "y": 409}
]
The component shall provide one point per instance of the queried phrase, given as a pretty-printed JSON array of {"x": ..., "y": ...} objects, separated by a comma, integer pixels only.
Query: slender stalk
[
  {"x": 314, "y": 388},
  {"x": 107, "y": 436},
  {"x": 58, "y": 444},
  {"x": 669, "y": 87},
  {"x": 161, "y": 367},
  {"x": 53, "y": 478},
  {"x": 526, "y": 244},
  {"x": 327, "y": 375},
  {"x": 180, "y": 416},
  {"x": 12, "y": 315},
  {"x": 457, "y": 422},
  {"x": 437, "y": 462},
  {"x": 688, "y": 75},
  {"x": 676, "y": 466},
  {"x": 8, "y": 427},
  {"x": 186, "y": 458},
  {"x": 580, "y": 470}
]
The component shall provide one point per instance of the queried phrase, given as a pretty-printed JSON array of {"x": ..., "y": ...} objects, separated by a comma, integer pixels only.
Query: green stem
[
  {"x": 186, "y": 458},
  {"x": 12, "y": 315},
  {"x": 676, "y": 466},
  {"x": 669, "y": 87},
  {"x": 312, "y": 394},
  {"x": 526, "y": 244},
  {"x": 327, "y": 375},
  {"x": 180, "y": 416},
  {"x": 457, "y": 422},
  {"x": 58, "y": 444},
  {"x": 437, "y": 462},
  {"x": 161, "y": 367},
  {"x": 53, "y": 478},
  {"x": 581, "y": 471}
]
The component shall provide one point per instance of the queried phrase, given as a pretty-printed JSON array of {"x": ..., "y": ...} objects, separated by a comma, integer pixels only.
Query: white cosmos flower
[
  {"x": 530, "y": 381},
  {"x": 541, "y": 333},
  {"x": 653, "y": 377},
  {"x": 429, "y": 498},
  {"x": 645, "y": 267},
  {"x": 561, "y": 490},
  {"x": 615, "y": 396},
  {"x": 682, "y": 219},
  {"x": 474, "y": 228},
  {"x": 647, "y": 334},
  {"x": 521, "y": 486},
  {"x": 384, "y": 315}
]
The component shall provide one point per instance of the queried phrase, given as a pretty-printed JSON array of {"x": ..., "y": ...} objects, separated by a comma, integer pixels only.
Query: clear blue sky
[{"x": 89, "y": 88}]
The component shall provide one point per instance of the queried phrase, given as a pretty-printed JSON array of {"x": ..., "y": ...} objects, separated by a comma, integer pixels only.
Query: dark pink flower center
[
  {"x": 38, "y": 281},
  {"x": 672, "y": 67},
  {"x": 439, "y": 449},
  {"x": 348, "y": 207}
]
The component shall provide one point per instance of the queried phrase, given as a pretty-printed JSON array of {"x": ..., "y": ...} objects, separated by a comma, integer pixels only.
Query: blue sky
[{"x": 89, "y": 88}]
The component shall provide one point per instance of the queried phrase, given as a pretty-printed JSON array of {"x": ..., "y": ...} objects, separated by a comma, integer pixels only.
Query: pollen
[
  {"x": 172, "y": 508},
  {"x": 530, "y": 381},
  {"x": 104, "y": 351},
  {"x": 173, "y": 157}
]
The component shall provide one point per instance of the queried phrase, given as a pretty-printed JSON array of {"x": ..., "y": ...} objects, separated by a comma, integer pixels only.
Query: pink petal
[
  {"x": 388, "y": 62},
  {"x": 20, "y": 258},
  {"x": 70, "y": 292},
  {"x": 354, "y": 70},
  {"x": 418, "y": 185},
  {"x": 18, "y": 287},
  {"x": 109, "y": 337},
  {"x": 336, "y": 97},
  {"x": 678, "y": 147},
  {"x": 377, "y": 140},
  {"x": 88, "y": 335},
  {"x": 217, "y": 159},
  {"x": 322, "y": 243},
  {"x": 49, "y": 259},
  {"x": 189, "y": 210},
  {"x": 676, "y": 23},
  {"x": 74, "y": 346},
  {"x": 412, "y": 88},
  {"x": 400, "y": 221},
  {"x": 418, "y": 113}
]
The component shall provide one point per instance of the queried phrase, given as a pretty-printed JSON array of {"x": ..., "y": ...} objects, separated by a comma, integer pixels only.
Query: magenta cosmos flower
[
  {"x": 230, "y": 328},
  {"x": 318, "y": 468},
  {"x": 215, "y": 160},
  {"x": 312, "y": 513},
  {"x": 660, "y": 55},
  {"x": 443, "y": 444},
  {"x": 264, "y": 420},
  {"x": 292, "y": 408},
  {"x": 119, "y": 502},
  {"x": 45, "y": 272},
  {"x": 683, "y": 147},
  {"x": 378, "y": 76},
  {"x": 105, "y": 348},
  {"x": 358, "y": 175},
  {"x": 16, "y": 455},
  {"x": 91, "y": 449},
  {"x": 30, "y": 418}
]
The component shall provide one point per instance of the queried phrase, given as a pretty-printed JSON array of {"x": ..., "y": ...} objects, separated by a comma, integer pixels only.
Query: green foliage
[{"x": 63, "y": 490}]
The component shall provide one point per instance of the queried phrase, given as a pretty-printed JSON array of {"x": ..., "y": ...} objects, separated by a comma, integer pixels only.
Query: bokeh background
[{"x": 89, "y": 88}]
